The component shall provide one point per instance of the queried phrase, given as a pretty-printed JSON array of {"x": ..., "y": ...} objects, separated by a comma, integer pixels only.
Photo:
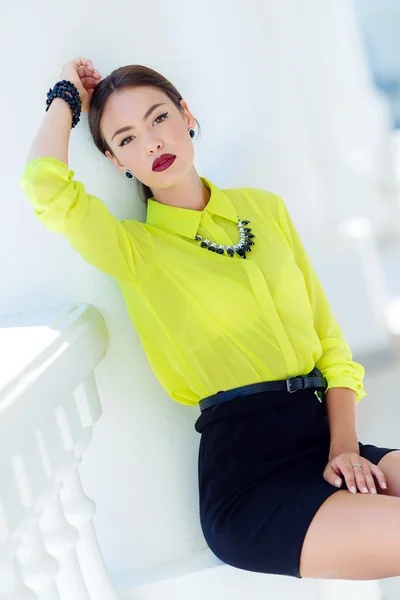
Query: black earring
[
  {"x": 129, "y": 174},
  {"x": 191, "y": 132}
]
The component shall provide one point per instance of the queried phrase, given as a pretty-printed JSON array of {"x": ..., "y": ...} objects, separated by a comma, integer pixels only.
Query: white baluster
[
  {"x": 79, "y": 510},
  {"x": 12, "y": 586},
  {"x": 88, "y": 401},
  {"x": 60, "y": 539},
  {"x": 39, "y": 569},
  {"x": 78, "y": 507}
]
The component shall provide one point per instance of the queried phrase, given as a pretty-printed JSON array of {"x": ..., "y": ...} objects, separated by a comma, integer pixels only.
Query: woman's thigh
[
  {"x": 390, "y": 465},
  {"x": 353, "y": 536}
]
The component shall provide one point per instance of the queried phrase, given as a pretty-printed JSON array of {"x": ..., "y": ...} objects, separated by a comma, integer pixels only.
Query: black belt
[{"x": 313, "y": 380}]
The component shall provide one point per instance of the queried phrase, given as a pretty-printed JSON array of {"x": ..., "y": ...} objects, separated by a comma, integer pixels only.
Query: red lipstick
[{"x": 163, "y": 162}]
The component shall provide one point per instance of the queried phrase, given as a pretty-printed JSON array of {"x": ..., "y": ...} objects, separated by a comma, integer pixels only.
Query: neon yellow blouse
[{"x": 207, "y": 322}]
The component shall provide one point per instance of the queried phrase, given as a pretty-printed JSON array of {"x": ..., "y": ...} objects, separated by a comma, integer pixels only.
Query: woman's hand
[
  {"x": 81, "y": 72},
  {"x": 341, "y": 464}
]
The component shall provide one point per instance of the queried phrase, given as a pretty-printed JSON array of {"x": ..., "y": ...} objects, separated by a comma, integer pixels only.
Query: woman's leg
[
  {"x": 390, "y": 465},
  {"x": 353, "y": 536}
]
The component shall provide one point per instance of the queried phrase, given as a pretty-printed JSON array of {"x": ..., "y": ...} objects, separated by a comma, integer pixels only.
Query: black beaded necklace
[{"x": 243, "y": 246}]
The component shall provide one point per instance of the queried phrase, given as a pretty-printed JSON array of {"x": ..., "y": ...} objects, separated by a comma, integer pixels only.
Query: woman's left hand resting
[{"x": 340, "y": 465}]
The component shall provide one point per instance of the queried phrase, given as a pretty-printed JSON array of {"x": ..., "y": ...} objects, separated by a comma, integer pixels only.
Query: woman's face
[{"x": 164, "y": 131}]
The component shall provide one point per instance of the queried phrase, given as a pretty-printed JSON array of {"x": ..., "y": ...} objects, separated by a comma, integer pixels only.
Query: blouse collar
[{"x": 186, "y": 221}]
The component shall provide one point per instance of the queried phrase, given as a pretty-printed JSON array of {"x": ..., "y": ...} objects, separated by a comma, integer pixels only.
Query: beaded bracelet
[{"x": 67, "y": 91}]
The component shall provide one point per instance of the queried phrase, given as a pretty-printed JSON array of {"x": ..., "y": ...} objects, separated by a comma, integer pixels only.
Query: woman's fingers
[
  {"x": 349, "y": 475},
  {"x": 331, "y": 476},
  {"x": 80, "y": 61},
  {"x": 89, "y": 78},
  {"x": 356, "y": 477},
  {"x": 85, "y": 72},
  {"x": 379, "y": 476},
  {"x": 365, "y": 481}
]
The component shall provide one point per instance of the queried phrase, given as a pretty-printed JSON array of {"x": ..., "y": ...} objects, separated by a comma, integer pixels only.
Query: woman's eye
[
  {"x": 127, "y": 138},
  {"x": 132, "y": 136},
  {"x": 159, "y": 117}
]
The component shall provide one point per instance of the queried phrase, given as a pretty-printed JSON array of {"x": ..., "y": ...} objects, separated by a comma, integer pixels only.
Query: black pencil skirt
[{"x": 260, "y": 473}]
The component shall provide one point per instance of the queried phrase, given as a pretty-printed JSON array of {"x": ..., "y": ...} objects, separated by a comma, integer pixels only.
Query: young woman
[{"x": 232, "y": 318}]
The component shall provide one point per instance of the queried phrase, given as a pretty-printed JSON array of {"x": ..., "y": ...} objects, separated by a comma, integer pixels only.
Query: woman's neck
[{"x": 189, "y": 192}]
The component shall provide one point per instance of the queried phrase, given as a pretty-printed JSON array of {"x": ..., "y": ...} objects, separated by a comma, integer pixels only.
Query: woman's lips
[{"x": 165, "y": 164}]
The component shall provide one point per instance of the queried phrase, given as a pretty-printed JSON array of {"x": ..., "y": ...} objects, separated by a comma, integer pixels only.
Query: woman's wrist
[{"x": 343, "y": 446}]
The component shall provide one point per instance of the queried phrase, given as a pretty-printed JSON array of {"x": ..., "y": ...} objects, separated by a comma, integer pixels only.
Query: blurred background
[
  {"x": 379, "y": 26},
  {"x": 299, "y": 97}
]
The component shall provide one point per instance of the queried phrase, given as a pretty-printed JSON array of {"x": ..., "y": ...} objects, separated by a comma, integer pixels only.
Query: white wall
[{"x": 283, "y": 97}]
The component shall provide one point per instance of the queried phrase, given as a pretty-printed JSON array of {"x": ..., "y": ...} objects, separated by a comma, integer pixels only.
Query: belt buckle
[{"x": 302, "y": 377}]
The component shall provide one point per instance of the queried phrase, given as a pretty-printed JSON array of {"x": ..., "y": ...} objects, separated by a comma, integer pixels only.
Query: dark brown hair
[{"x": 128, "y": 76}]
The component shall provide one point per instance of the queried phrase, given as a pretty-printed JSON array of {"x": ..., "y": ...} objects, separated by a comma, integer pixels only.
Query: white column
[{"x": 348, "y": 118}]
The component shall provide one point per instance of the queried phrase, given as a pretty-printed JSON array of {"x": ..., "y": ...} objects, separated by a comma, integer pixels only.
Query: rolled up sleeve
[
  {"x": 336, "y": 362},
  {"x": 63, "y": 206}
]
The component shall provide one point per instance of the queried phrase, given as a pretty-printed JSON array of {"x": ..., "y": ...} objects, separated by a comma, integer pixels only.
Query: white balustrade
[{"x": 48, "y": 406}]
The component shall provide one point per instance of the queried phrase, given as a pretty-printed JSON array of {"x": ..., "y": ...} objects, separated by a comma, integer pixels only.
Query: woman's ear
[
  {"x": 187, "y": 115},
  {"x": 115, "y": 161}
]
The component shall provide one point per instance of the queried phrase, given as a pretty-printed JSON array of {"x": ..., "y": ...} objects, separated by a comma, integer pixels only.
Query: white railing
[{"x": 48, "y": 406}]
